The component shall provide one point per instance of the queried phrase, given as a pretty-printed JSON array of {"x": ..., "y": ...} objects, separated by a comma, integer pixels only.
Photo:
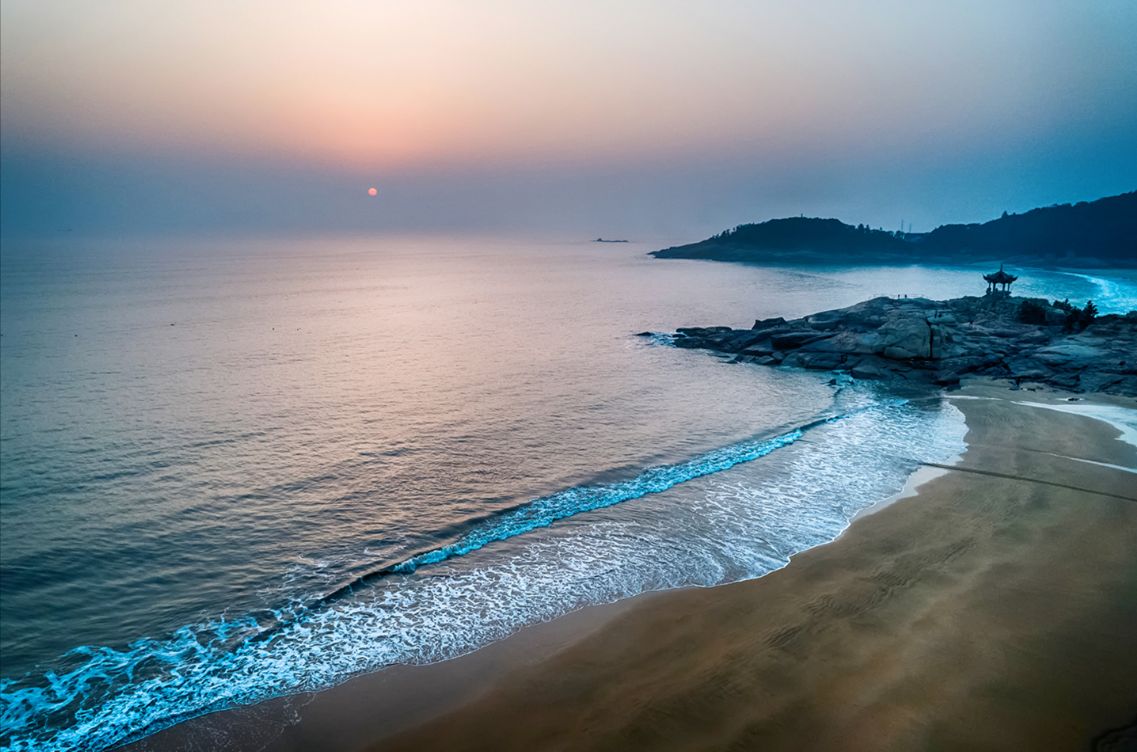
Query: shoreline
[
  {"x": 406, "y": 706},
  {"x": 983, "y": 612}
]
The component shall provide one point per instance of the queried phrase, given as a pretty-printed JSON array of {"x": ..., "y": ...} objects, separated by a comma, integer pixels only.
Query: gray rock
[
  {"x": 768, "y": 323},
  {"x": 759, "y": 349},
  {"x": 795, "y": 339},
  {"x": 867, "y": 369},
  {"x": 1066, "y": 353},
  {"x": 904, "y": 339},
  {"x": 702, "y": 331},
  {"x": 939, "y": 342},
  {"x": 824, "y": 361}
]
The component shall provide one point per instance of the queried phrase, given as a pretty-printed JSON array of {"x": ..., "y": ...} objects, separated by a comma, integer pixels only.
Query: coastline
[
  {"x": 983, "y": 612},
  {"x": 997, "y": 600}
]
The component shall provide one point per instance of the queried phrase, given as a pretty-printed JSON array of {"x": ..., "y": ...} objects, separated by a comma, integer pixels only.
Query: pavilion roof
[{"x": 1000, "y": 277}]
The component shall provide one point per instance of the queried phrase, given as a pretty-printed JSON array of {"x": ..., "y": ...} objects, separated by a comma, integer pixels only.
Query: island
[
  {"x": 1101, "y": 233},
  {"x": 939, "y": 342}
]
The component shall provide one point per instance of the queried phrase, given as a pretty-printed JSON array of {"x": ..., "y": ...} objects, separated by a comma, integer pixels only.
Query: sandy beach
[
  {"x": 984, "y": 613},
  {"x": 568, "y": 376},
  {"x": 992, "y": 609}
]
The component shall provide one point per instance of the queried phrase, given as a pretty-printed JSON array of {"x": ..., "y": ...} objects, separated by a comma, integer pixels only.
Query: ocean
[{"x": 239, "y": 468}]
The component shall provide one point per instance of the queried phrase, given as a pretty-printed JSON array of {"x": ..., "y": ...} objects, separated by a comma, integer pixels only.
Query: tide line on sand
[{"x": 1122, "y": 418}]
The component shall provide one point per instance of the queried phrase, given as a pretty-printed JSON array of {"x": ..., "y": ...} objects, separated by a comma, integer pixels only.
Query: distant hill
[{"x": 1090, "y": 233}]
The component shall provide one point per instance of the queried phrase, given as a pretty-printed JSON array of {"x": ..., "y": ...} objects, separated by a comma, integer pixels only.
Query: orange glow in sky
[
  {"x": 694, "y": 115},
  {"x": 439, "y": 83}
]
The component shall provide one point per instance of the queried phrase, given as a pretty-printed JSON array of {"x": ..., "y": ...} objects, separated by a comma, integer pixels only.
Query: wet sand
[
  {"x": 994, "y": 609},
  {"x": 984, "y": 613}
]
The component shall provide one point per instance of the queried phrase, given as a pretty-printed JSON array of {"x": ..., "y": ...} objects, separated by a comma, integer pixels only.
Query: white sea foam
[
  {"x": 736, "y": 520},
  {"x": 1113, "y": 295}
]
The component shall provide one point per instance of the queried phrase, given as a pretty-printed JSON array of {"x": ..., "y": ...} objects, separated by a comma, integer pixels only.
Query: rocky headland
[{"x": 940, "y": 342}]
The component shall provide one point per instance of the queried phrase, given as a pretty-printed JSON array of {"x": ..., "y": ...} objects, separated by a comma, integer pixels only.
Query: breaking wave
[{"x": 693, "y": 524}]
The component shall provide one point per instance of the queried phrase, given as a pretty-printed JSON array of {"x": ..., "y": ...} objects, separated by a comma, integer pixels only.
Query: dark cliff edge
[
  {"x": 1099, "y": 233},
  {"x": 920, "y": 341}
]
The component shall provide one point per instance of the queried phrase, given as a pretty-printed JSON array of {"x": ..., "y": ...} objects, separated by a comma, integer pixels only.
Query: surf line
[{"x": 546, "y": 510}]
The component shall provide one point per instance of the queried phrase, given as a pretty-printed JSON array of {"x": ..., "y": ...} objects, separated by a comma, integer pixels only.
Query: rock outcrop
[{"x": 940, "y": 342}]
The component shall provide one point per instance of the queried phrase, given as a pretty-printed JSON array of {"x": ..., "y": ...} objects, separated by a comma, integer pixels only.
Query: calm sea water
[{"x": 231, "y": 470}]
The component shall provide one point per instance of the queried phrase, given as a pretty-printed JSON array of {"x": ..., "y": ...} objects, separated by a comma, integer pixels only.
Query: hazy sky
[{"x": 653, "y": 118}]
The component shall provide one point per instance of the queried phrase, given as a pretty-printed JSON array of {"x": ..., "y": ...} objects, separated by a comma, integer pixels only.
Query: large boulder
[
  {"x": 1068, "y": 353},
  {"x": 869, "y": 368},
  {"x": 814, "y": 361},
  {"x": 827, "y": 321},
  {"x": 740, "y": 340},
  {"x": 794, "y": 339},
  {"x": 768, "y": 323},
  {"x": 758, "y": 349},
  {"x": 839, "y": 342},
  {"x": 903, "y": 339}
]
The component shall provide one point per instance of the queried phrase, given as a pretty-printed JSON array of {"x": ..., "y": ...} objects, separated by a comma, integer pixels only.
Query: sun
[{"x": 372, "y": 191}]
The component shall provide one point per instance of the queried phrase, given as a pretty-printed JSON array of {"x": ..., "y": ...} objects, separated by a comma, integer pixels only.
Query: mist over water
[{"x": 248, "y": 468}]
